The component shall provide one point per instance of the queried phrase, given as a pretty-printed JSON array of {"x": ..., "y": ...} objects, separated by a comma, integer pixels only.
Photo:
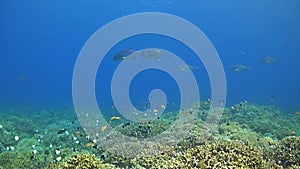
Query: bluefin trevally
[
  {"x": 238, "y": 68},
  {"x": 150, "y": 53},
  {"x": 269, "y": 60},
  {"x": 121, "y": 55},
  {"x": 186, "y": 68}
]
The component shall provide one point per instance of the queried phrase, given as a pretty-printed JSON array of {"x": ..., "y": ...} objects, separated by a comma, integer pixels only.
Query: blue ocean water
[{"x": 41, "y": 40}]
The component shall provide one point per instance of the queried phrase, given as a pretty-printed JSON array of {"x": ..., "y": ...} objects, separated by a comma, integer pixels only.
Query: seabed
[{"x": 248, "y": 136}]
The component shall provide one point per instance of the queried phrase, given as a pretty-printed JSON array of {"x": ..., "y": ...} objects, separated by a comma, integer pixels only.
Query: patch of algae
[
  {"x": 13, "y": 159},
  {"x": 221, "y": 154}
]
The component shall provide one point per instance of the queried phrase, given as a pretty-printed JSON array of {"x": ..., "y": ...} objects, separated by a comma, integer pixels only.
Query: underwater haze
[
  {"x": 257, "y": 43},
  {"x": 40, "y": 42}
]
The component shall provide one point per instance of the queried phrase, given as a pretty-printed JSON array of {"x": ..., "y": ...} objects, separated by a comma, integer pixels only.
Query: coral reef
[
  {"x": 248, "y": 136},
  {"x": 221, "y": 154},
  {"x": 265, "y": 120},
  {"x": 144, "y": 130},
  {"x": 233, "y": 131},
  {"x": 82, "y": 161},
  {"x": 286, "y": 153}
]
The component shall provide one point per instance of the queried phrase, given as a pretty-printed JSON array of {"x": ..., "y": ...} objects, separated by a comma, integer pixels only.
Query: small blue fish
[{"x": 121, "y": 55}]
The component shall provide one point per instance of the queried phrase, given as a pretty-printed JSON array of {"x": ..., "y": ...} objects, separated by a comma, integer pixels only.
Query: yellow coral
[
  {"x": 221, "y": 154},
  {"x": 83, "y": 161}
]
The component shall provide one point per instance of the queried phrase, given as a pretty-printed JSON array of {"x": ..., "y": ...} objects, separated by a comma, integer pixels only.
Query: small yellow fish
[
  {"x": 114, "y": 118},
  {"x": 103, "y": 128},
  {"x": 75, "y": 133},
  {"x": 163, "y": 106},
  {"x": 155, "y": 111},
  {"x": 89, "y": 144}
]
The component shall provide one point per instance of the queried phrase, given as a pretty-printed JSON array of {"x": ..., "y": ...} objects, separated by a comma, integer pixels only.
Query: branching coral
[
  {"x": 287, "y": 153},
  {"x": 222, "y": 154},
  {"x": 83, "y": 161}
]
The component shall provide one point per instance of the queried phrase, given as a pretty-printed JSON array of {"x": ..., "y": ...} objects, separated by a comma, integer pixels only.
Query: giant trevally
[
  {"x": 121, "y": 55},
  {"x": 238, "y": 68},
  {"x": 269, "y": 60}
]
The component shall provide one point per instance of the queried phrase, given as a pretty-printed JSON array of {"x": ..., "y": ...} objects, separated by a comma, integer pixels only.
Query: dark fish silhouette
[
  {"x": 121, "y": 55},
  {"x": 61, "y": 131}
]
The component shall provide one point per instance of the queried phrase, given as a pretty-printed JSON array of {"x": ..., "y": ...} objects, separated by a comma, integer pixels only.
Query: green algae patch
[{"x": 13, "y": 159}]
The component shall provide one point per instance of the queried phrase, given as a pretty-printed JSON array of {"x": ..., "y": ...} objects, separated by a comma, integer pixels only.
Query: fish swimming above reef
[
  {"x": 238, "y": 68},
  {"x": 187, "y": 68},
  {"x": 114, "y": 118},
  {"x": 103, "y": 128},
  {"x": 152, "y": 53},
  {"x": 269, "y": 60},
  {"x": 90, "y": 144},
  {"x": 123, "y": 54},
  {"x": 61, "y": 131},
  {"x": 129, "y": 54}
]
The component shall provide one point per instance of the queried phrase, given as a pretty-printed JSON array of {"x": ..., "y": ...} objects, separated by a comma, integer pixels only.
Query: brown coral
[
  {"x": 287, "y": 153},
  {"x": 83, "y": 161},
  {"x": 221, "y": 154}
]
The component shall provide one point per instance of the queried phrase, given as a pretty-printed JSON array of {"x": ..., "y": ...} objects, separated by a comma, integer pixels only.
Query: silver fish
[
  {"x": 268, "y": 60},
  {"x": 238, "y": 68},
  {"x": 186, "y": 68}
]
